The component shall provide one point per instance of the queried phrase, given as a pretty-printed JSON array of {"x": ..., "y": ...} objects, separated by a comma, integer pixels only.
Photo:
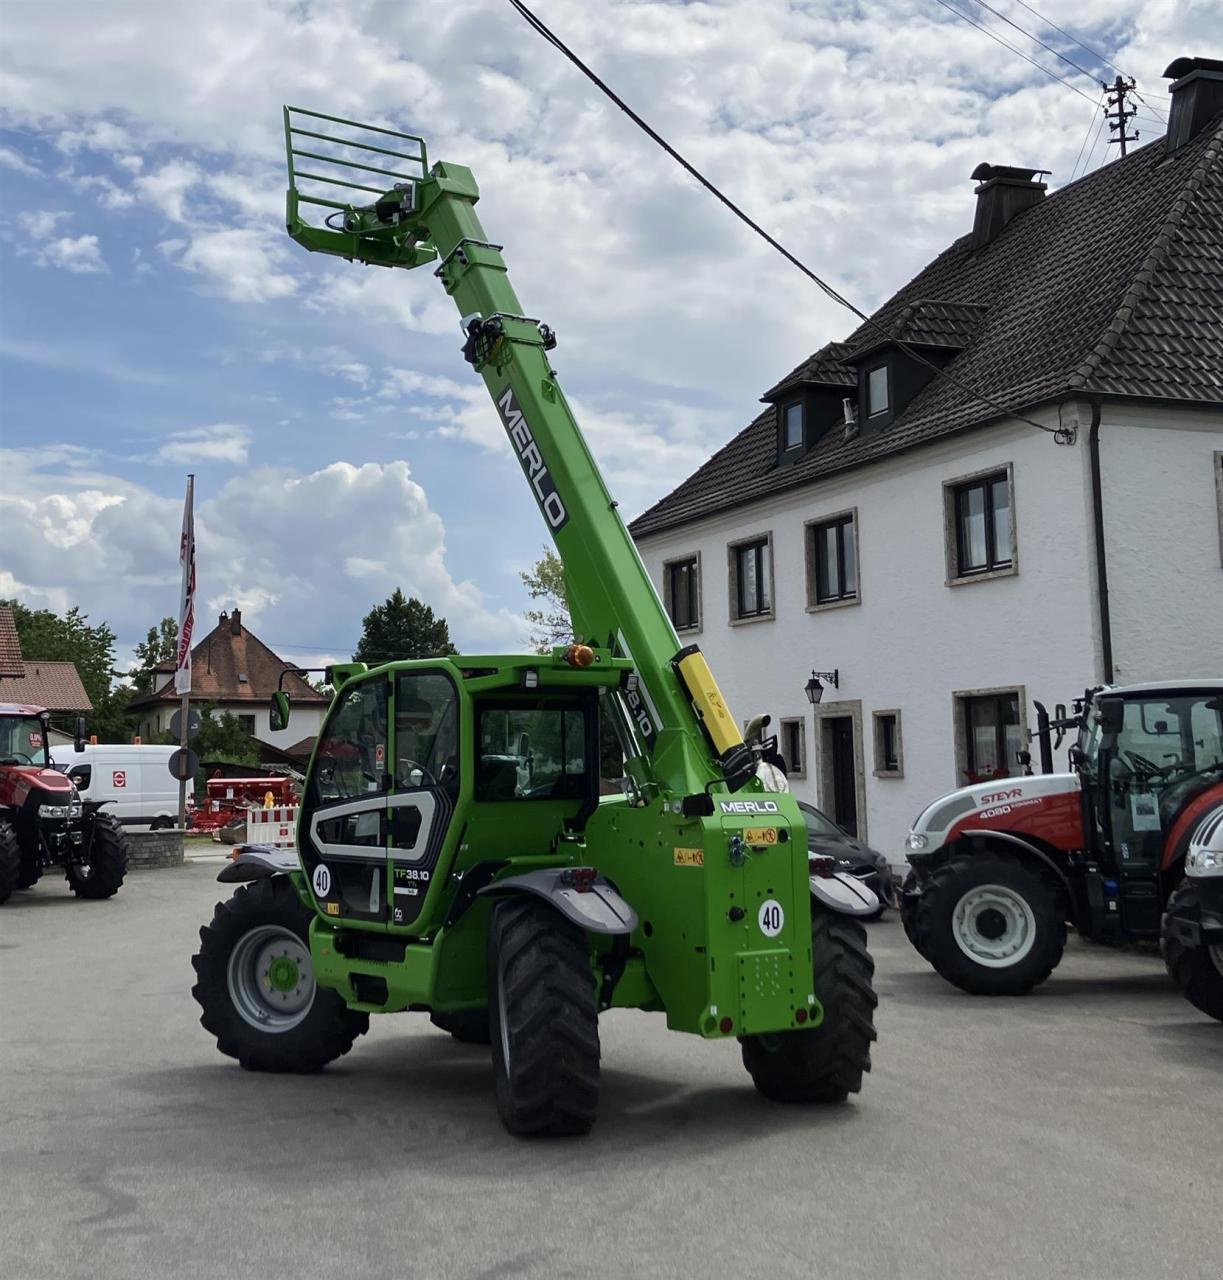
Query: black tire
[
  {"x": 545, "y": 1020},
  {"x": 825, "y": 1064},
  {"x": 1195, "y": 970},
  {"x": 1040, "y": 935},
  {"x": 318, "y": 1032},
  {"x": 29, "y": 872},
  {"x": 467, "y": 1026},
  {"x": 10, "y": 861},
  {"x": 102, "y": 876},
  {"x": 161, "y": 824},
  {"x": 909, "y": 892}
]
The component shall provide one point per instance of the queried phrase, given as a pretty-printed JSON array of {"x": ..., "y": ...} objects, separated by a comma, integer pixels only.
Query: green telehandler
[{"x": 456, "y": 851}]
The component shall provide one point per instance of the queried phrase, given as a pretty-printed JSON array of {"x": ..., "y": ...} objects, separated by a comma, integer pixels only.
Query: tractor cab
[{"x": 1145, "y": 754}]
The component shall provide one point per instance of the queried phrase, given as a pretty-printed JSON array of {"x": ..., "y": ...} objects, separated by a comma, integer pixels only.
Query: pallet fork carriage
[{"x": 456, "y": 853}]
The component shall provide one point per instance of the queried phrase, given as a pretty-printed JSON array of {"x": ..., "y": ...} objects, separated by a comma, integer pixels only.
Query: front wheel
[
  {"x": 256, "y": 984},
  {"x": 1197, "y": 971},
  {"x": 545, "y": 1023},
  {"x": 910, "y": 894},
  {"x": 102, "y": 875},
  {"x": 825, "y": 1064},
  {"x": 10, "y": 861},
  {"x": 991, "y": 923}
]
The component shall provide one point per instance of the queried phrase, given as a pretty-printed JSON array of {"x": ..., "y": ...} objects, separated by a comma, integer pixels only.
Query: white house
[
  {"x": 232, "y": 669},
  {"x": 947, "y": 563}
]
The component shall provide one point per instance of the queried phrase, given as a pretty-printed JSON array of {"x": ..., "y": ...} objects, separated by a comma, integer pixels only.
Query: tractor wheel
[
  {"x": 545, "y": 1021},
  {"x": 909, "y": 897},
  {"x": 29, "y": 872},
  {"x": 1197, "y": 971},
  {"x": 468, "y": 1026},
  {"x": 10, "y": 861},
  {"x": 102, "y": 875},
  {"x": 256, "y": 984},
  {"x": 824, "y": 1064},
  {"x": 991, "y": 923}
]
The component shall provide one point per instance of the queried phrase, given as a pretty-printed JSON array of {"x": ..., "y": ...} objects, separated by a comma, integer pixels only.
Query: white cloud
[
  {"x": 239, "y": 264},
  {"x": 305, "y": 555},
  {"x": 222, "y": 442},
  {"x": 79, "y": 254},
  {"x": 10, "y": 159},
  {"x": 42, "y": 223},
  {"x": 166, "y": 188}
]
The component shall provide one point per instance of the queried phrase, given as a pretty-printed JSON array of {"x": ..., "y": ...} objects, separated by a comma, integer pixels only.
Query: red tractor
[
  {"x": 998, "y": 870},
  {"x": 43, "y": 822}
]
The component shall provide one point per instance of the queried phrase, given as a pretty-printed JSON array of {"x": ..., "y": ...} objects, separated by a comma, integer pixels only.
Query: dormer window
[
  {"x": 877, "y": 400},
  {"x": 792, "y": 426}
]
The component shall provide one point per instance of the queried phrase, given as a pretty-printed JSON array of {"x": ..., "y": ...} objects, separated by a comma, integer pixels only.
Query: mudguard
[
  {"x": 844, "y": 894},
  {"x": 595, "y": 906},
  {"x": 258, "y": 861}
]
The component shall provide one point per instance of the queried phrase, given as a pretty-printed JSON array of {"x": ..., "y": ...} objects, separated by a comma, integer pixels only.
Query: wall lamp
[{"x": 815, "y": 690}]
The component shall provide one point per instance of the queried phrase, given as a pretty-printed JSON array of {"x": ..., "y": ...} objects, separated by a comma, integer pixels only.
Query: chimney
[
  {"x": 223, "y": 619},
  {"x": 1197, "y": 97},
  {"x": 235, "y": 622},
  {"x": 1004, "y": 193}
]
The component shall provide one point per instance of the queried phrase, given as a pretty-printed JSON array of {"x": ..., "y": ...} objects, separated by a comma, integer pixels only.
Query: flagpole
[{"x": 186, "y": 625}]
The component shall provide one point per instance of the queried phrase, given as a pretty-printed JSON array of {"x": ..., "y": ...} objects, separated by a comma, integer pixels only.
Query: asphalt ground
[{"x": 1077, "y": 1132}]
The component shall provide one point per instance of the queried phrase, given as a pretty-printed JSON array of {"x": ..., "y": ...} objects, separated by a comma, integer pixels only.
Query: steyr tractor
[
  {"x": 457, "y": 853},
  {"x": 43, "y": 821},
  {"x": 1192, "y": 941},
  {"x": 999, "y": 869}
]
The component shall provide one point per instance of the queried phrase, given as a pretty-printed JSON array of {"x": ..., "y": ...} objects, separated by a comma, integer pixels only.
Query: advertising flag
[{"x": 186, "y": 604}]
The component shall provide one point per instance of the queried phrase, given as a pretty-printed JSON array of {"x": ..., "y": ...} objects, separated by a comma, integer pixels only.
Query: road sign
[
  {"x": 183, "y": 764},
  {"x": 193, "y": 724}
]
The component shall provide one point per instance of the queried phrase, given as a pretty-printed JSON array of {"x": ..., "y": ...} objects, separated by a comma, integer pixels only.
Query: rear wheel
[
  {"x": 825, "y": 1064},
  {"x": 10, "y": 861},
  {"x": 991, "y": 923},
  {"x": 467, "y": 1026},
  {"x": 545, "y": 1025},
  {"x": 256, "y": 984},
  {"x": 102, "y": 875},
  {"x": 1198, "y": 971}
]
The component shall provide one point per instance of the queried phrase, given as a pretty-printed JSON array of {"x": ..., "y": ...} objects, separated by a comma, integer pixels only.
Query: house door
[{"x": 840, "y": 738}]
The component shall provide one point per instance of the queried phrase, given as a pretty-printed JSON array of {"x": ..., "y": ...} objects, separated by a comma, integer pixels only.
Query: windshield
[
  {"x": 1164, "y": 738},
  {"x": 22, "y": 741},
  {"x": 818, "y": 824}
]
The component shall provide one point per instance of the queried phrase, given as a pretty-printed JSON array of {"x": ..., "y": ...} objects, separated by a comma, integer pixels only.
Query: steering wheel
[
  {"x": 1141, "y": 764},
  {"x": 17, "y": 757},
  {"x": 414, "y": 764}
]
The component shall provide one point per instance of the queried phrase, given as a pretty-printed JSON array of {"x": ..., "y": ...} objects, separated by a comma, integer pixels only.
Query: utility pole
[{"x": 1117, "y": 113}]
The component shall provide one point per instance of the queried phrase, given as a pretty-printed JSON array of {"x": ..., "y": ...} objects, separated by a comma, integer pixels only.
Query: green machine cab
[{"x": 514, "y": 843}]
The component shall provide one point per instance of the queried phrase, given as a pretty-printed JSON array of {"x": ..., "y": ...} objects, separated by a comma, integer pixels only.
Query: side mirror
[
  {"x": 278, "y": 715},
  {"x": 1059, "y": 711},
  {"x": 1110, "y": 713},
  {"x": 79, "y": 734},
  {"x": 1078, "y": 757}
]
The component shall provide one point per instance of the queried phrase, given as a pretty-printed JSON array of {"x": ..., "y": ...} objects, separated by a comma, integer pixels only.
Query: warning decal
[
  {"x": 118, "y": 778},
  {"x": 690, "y": 857}
]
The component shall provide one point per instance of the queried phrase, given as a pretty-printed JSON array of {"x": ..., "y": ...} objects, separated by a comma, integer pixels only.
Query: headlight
[
  {"x": 916, "y": 841},
  {"x": 1204, "y": 862},
  {"x": 54, "y": 810}
]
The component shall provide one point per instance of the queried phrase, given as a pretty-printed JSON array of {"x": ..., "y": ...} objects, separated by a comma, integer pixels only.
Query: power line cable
[
  {"x": 541, "y": 29},
  {"x": 1006, "y": 44},
  {"x": 1095, "y": 53},
  {"x": 1091, "y": 150},
  {"x": 1091, "y": 75},
  {"x": 1074, "y": 170}
]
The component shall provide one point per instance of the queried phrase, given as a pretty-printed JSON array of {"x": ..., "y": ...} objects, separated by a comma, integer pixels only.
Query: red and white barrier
[{"x": 277, "y": 827}]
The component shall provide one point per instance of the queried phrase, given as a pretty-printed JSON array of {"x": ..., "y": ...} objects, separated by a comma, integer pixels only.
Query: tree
[
  {"x": 222, "y": 737},
  {"x": 48, "y": 637},
  {"x": 160, "y": 645},
  {"x": 550, "y": 624},
  {"x": 401, "y": 628}
]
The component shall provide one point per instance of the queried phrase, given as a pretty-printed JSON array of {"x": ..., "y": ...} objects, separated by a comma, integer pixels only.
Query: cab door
[{"x": 342, "y": 832}]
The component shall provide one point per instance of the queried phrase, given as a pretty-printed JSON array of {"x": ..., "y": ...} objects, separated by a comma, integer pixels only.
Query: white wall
[
  {"x": 912, "y": 641},
  {"x": 1162, "y": 534},
  {"x": 304, "y": 721}
]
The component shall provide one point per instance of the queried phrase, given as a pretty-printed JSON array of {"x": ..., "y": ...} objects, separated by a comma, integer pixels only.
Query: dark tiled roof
[
  {"x": 54, "y": 685},
  {"x": 10, "y": 645},
  {"x": 219, "y": 659},
  {"x": 1112, "y": 285}
]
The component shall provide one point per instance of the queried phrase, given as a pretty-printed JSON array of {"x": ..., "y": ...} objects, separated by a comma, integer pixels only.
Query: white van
[{"x": 135, "y": 781}]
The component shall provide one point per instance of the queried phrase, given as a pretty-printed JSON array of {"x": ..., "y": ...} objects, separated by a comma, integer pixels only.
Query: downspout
[{"x": 1097, "y": 520}]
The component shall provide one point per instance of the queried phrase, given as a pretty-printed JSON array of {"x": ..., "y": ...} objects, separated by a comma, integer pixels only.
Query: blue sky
[{"x": 155, "y": 319}]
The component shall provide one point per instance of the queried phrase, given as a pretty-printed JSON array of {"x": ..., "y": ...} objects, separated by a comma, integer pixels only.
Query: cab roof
[
  {"x": 21, "y": 709},
  {"x": 1164, "y": 686}
]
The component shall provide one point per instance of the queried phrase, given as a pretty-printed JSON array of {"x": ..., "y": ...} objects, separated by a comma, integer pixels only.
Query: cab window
[
  {"x": 352, "y": 751},
  {"x": 426, "y": 732},
  {"x": 532, "y": 751}
]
